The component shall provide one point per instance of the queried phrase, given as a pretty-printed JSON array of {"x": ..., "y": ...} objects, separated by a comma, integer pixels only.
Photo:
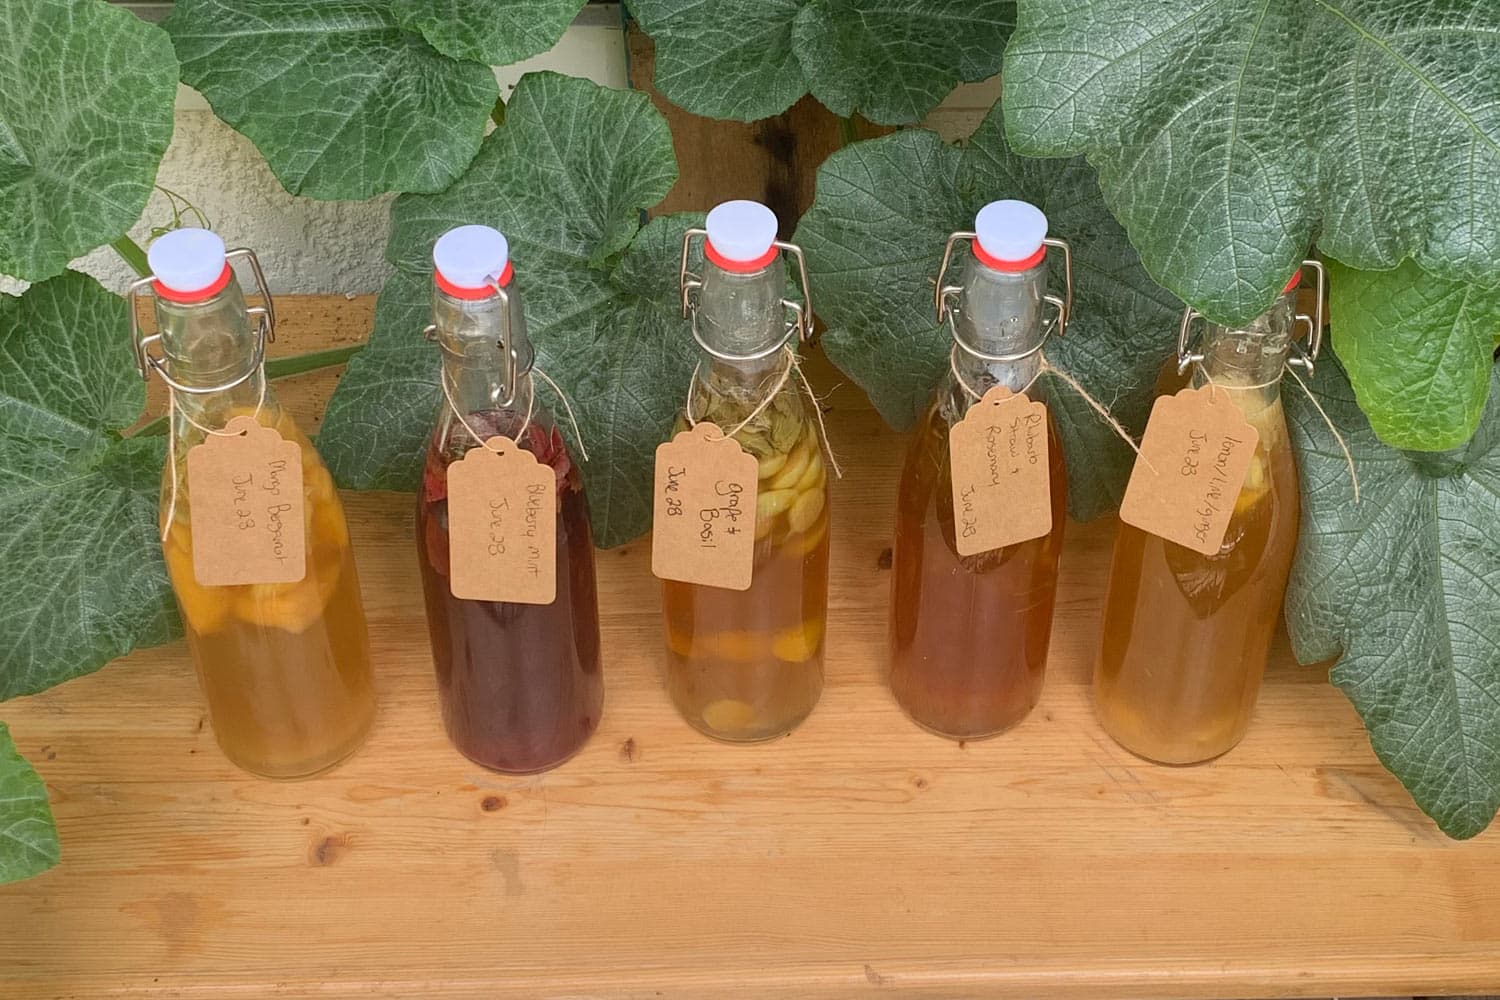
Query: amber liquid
[
  {"x": 519, "y": 684},
  {"x": 969, "y": 634},
  {"x": 748, "y": 665},
  {"x": 285, "y": 668},
  {"x": 1185, "y": 635}
]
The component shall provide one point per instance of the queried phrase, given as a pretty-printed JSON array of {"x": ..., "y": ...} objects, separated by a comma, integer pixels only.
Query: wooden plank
[{"x": 858, "y": 855}]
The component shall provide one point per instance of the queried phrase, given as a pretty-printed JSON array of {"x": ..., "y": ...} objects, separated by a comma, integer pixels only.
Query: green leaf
[
  {"x": 1418, "y": 351},
  {"x": 1406, "y": 585},
  {"x": 86, "y": 92},
  {"x": 28, "y": 839},
  {"x": 375, "y": 429},
  {"x": 494, "y": 32},
  {"x": 339, "y": 99},
  {"x": 874, "y": 239},
  {"x": 891, "y": 61},
  {"x": 1228, "y": 133},
  {"x": 565, "y": 179},
  {"x": 85, "y": 578}
]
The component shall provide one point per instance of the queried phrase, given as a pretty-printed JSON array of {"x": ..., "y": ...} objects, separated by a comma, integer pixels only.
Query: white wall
[{"x": 307, "y": 245}]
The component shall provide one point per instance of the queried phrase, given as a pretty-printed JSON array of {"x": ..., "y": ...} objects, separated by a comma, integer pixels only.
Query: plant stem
[
  {"x": 846, "y": 130},
  {"x": 133, "y": 254},
  {"x": 297, "y": 364}
]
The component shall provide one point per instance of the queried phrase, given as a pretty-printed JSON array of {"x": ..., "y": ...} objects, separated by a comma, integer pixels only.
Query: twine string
[
  {"x": 1353, "y": 476},
  {"x": 1044, "y": 366},
  {"x": 530, "y": 411},
  {"x": 173, "y": 409},
  {"x": 793, "y": 365},
  {"x": 577, "y": 434},
  {"x": 481, "y": 441},
  {"x": 817, "y": 409},
  {"x": 1288, "y": 369}
]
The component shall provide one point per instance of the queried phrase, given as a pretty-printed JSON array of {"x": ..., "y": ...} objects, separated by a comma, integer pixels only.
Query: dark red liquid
[{"x": 519, "y": 683}]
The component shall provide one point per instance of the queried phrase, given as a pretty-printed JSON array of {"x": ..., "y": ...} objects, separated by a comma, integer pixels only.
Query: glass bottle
[
  {"x": 969, "y": 634},
  {"x": 519, "y": 684},
  {"x": 1186, "y": 636},
  {"x": 744, "y": 666},
  {"x": 285, "y": 667}
]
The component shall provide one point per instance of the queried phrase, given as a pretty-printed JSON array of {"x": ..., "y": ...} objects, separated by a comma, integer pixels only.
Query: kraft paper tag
[
  {"x": 1194, "y": 457},
  {"x": 245, "y": 493},
  {"x": 502, "y": 525},
  {"x": 1002, "y": 488},
  {"x": 703, "y": 526}
]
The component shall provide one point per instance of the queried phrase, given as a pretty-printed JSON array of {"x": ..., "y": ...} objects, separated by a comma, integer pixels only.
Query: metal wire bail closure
[
  {"x": 944, "y": 296},
  {"x": 1303, "y": 358},
  {"x": 265, "y": 328},
  {"x": 506, "y": 343},
  {"x": 800, "y": 319}
]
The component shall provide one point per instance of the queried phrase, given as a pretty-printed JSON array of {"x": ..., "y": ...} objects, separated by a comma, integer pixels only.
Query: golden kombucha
[
  {"x": 748, "y": 665},
  {"x": 285, "y": 667},
  {"x": 1186, "y": 636},
  {"x": 969, "y": 634}
]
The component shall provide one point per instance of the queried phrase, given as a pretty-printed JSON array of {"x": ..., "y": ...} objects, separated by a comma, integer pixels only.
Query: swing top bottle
[
  {"x": 1186, "y": 636},
  {"x": 969, "y": 634},
  {"x": 519, "y": 684},
  {"x": 285, "y": 667},
  {"x": 745, "y": 666}
]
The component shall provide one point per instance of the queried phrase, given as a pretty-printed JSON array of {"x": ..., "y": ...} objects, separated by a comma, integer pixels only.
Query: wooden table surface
[{"x": 856, "y": 856}]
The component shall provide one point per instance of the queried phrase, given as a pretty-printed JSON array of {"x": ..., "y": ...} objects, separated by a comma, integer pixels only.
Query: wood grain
[{"x": 858, "y": 856}]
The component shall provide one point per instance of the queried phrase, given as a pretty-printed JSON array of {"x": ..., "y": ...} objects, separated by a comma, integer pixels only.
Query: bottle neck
[
  {"x": 1000, "y": 314},
  {"x": 1250, "y": 357},
  {"x": 210, "y": 344},
  {"x": 739, "y": 315},
  {"x": 476, "y": 366}
]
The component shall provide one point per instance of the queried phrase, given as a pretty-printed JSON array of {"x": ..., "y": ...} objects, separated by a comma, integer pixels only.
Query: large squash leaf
[
  {"x": 874, "y": 239},
  {"x": 1406, "y": 586},
  {"x": 1228, "y": 132},
  {"x": 85, "y": 581},
  {"x": 339, "y": 98},
  {"x": 86, "y": 93},
  {"x": 565, "y": 178},
  {"x": 891, "y": 61},
  {"x": 497, "y": 32},
  {"x": 28, "y": 838},
  {"x": 1418, "y": 351}
]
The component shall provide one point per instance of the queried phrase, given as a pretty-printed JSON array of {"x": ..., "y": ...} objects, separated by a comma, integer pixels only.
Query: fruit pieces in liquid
[
  {"x": 748, "y": 665},
  {"x": 285, "y": 668},
  {"x": 1186, "y": 636},
  {"x": 519, "y": 684},
  {"x": 969, "y": 634}
]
